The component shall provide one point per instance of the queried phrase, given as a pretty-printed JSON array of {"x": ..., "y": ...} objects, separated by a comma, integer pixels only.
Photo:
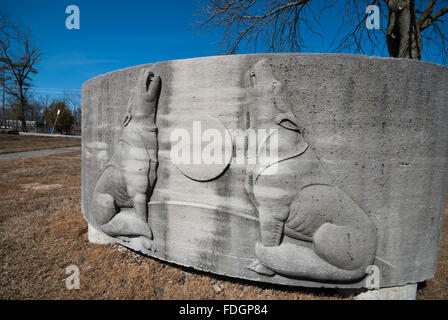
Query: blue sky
[
  {"x": 112, "y": 35},
  {"x": 116, "y": 34}
]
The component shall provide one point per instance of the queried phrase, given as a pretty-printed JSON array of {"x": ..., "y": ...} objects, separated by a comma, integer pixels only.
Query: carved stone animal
[
  {"x": 121, "y": 195},
  {"x": 309, "y": 227}
]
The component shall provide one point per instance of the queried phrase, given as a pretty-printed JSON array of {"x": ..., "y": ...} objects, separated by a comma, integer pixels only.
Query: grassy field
[
  {"x": 42, "y": 231},
  {"x": 15, "y": 143}
]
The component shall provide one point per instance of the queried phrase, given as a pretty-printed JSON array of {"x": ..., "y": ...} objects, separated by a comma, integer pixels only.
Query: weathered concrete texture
[
  {"x": 98, "y": 237},
  {"x": 120, "y": 200},
  {"x": 378, "y": 127},
  {"x": 406, "y": 292}
]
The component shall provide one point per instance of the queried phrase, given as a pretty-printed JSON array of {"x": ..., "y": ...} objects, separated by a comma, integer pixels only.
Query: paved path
[
  {"x": 36, "y": 153},
  {"x": 48, "y": 135}
]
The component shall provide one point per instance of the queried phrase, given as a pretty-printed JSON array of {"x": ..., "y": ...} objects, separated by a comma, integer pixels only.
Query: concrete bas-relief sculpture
[
  {"x": 347, "y": 172},
  {"x": 120, "y": 199},
  {"x": 340, "y": 239}
]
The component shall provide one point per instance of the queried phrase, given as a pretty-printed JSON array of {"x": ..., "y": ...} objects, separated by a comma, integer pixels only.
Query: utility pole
[{"x": 57, "y": 115}]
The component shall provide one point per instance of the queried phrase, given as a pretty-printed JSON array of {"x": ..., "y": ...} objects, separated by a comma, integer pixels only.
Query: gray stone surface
[
  {"x": 120, "y": 200},
  {"x": 300, "y": 201},
  {"x": 98, "y": 237},
  {"x": 406, "y": 292},
  {"x": 369, "y": 133}
]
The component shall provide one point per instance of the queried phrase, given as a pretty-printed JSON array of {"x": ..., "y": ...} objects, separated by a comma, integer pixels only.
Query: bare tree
[
  {"x": 45, "y": 101},
  {"x": 280, "y": 25},
  {"x": 73, "y": 101},
  {"x": 64, "y": 120},
  {"x": 18, "y": 57}
]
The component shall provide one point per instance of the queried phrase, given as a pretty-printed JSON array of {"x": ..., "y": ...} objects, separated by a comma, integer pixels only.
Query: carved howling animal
[
  {"x": 120, "y": 200},
  {"x": 309, "y": 227}
]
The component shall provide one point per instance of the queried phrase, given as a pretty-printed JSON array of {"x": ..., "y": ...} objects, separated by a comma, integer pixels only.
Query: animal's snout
[
  {"x": 149, "y": 78},
  {"x": 153, "y": 82}
]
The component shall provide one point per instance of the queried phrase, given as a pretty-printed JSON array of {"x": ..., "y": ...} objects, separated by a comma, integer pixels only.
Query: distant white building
[{"x": 17, "y": 124}]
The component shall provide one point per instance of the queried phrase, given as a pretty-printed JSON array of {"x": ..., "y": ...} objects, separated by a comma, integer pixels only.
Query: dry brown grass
[
  {"x": 15, "y": 143},
  {"x": 437, "y": 288},
  {"x": 42, "y": 231}
]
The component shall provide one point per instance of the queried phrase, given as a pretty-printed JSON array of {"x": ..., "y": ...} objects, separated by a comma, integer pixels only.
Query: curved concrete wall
[{"x": 378, "y": 126}]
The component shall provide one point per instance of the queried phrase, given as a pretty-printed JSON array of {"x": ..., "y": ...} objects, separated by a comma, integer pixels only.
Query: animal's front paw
[
  {"x": 148, "y": 244},
  {"x": 148, "y": 234},
  {"x": 259, "y": 268},
  {"x": 124, "y": 239}
]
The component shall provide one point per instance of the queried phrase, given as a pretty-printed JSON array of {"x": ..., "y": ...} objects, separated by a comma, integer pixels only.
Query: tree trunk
[
  {"x": 22, "y": 114},
  {"x": 22, "y": 102},
  {"x": 403, "y": 34}
]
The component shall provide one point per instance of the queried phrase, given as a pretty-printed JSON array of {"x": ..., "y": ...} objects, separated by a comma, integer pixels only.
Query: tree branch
[
  {"x": 427, "y": 12},
  {"x": 430, "y": 19},
  {"x": 248, "y": 20}
]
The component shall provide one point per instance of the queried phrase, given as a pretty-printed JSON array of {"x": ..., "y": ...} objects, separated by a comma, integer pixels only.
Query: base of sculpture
[
  {"x": 407, "y": 292},
  {"x": 98, "y": 237}
]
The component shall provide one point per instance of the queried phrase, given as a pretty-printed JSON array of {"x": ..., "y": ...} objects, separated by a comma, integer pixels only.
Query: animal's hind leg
[
  {"x": 302, "y": 262},
  {"x": 124, "y": 223},
  {"x": 347, "y": 247},
  {"x": 104, "y": 208},
  {"x": 127, "y": 224},
  {"x": 339, "y": 253}
]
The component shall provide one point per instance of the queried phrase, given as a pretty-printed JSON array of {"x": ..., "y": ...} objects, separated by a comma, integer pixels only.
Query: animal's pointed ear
[
  {"x": 288, "y": 121},
  {"x": 149, "y": 78}
]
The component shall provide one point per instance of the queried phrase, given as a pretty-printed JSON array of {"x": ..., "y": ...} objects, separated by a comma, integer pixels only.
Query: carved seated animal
[
  {"x": 309, "y": 227},
  {"x": 121, "y": 195}
]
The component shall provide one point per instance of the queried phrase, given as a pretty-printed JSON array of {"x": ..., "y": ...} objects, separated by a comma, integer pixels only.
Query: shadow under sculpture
[
  {"x": 309, "y": 227},
  {"x": 120, "y": 200}
]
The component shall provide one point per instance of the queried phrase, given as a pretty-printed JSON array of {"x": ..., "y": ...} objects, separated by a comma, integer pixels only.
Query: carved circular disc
[{"x": 201, "y": 147}]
